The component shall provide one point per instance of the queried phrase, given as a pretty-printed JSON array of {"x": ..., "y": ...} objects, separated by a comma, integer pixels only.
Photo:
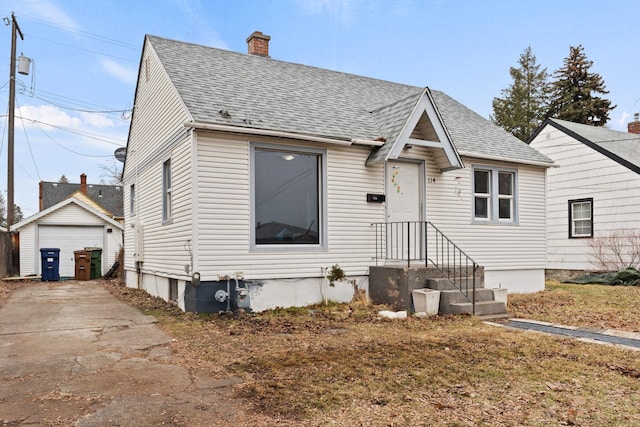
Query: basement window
[{"x": 173, "y": 290}]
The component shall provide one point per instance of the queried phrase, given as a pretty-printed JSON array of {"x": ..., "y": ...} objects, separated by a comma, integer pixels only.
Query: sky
[{"x": 73, "y": 109}]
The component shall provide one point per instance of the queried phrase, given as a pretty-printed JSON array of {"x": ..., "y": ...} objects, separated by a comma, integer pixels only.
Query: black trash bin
[
  {"x": 50, "y": 260},
  {"x": 96, "y": 263}
]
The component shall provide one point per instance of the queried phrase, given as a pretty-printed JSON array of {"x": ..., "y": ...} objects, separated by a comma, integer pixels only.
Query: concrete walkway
[
  {"x": 599, "y": 336},
  {"x": 72, "y": 354}
]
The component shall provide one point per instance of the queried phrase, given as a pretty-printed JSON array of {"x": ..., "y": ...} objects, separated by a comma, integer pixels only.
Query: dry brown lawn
[{"x": 340, "y": 365}]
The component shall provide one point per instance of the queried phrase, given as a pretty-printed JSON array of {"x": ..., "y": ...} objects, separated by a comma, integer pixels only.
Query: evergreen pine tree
[
  {"x": 574, "y": 92},
  {"x": 524, "y": 103}
]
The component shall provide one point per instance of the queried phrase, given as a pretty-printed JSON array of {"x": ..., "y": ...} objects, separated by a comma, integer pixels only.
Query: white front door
[
  {"x": 404, "y": 204},
  {"x": 404, "y": 191}
]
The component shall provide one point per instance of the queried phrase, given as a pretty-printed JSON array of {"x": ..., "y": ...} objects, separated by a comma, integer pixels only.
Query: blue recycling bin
[{"x": 50, "y": 259}]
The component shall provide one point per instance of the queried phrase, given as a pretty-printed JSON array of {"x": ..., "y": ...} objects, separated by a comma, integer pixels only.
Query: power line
[
  {"x": 68, "y": 149},
  {"x": 84, "y": 33},
  {"x": 33, "y": 159},
  {"x": 114, "y": 141},
  {"x": 83, "y": 49}
]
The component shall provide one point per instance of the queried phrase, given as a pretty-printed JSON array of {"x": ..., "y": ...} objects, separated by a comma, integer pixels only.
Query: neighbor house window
[
  {"x": 166, "y": 190},
  {"x": 132, "y": 199},
  {"x": 494, "y": 195},
  {"x": 288, "y": 199},
  {"x": 581, "y": 218}
]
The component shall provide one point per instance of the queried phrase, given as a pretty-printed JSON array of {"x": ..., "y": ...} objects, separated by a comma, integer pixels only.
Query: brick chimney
[
  {"x": 258, "y": 44},
  {"x": 83, "y": 183},
  {"x": 634, "y": 126},
  {"x": 40, "y": 200}
]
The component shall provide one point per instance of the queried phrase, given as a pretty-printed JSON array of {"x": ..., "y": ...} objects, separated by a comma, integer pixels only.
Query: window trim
[
  {"x": 167, "y": 188},
  {"x": 132, "y": 199},
  {"x": 493, "y": 215},
  {"x": 322, "y": 196},
  {"x": 570, "y": 204}
]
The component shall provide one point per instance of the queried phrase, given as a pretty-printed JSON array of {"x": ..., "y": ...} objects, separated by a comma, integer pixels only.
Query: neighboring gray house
[
  {"x": 593, "y": 193},
  {"x": 247, "y": 178},
  {"x": 108, "y": 197}
]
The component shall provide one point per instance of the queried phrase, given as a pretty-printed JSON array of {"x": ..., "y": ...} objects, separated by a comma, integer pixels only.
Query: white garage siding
[{"x": 69, "y": 239}]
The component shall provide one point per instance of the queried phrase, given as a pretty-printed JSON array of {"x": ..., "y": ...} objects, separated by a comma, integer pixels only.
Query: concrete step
[
  {"x": 483, "y": 308},
  {"x": 444, "y": 284},
  {"x": 451, "y": 297}
]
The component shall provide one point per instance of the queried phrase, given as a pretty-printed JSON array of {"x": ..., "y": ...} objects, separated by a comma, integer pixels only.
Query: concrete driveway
[{"x": 72, "y": 354}]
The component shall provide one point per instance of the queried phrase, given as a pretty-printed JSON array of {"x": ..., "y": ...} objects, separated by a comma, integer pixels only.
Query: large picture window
[
  {"x": 494, "y": 195},
  {"x": 287, "y": 196},
  {"x": 581, "y": 218}
]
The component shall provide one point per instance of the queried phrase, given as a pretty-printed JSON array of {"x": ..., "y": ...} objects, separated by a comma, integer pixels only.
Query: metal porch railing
[{"x": 423, "y": 242}]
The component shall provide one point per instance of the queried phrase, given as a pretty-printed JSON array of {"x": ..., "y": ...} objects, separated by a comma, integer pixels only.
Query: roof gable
[
  {"x": 424, "y": 127},
  {"x": 62, "y": 204},
  {"x": 621, "y": 147}
]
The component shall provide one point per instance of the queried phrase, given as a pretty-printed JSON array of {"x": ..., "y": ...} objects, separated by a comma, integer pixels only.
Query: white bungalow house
[
  {"x": 592, "y": 195},
  {"x": 247, "y": 178}
]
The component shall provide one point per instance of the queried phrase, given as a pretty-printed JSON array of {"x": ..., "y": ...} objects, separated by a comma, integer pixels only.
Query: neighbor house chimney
[
  {"x": 41, "y": 201},
  {"x": 258, "y": 44},
  {"x": 634, "y": 126},
  {"x": 83, "y": 183}
]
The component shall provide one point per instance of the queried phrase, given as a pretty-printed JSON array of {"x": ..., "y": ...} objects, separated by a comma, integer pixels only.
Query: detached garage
[{"x": 70, "y": 225}]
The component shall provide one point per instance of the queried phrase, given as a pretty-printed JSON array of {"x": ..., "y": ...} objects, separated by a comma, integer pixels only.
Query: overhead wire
[
  {"x": 83, "y": 33},
  {"x": 26, "y": 136},
  {"x": 114, "y": 141},
  {"x": 65, "y": 148},
  {"x": 83, "y": 49}
]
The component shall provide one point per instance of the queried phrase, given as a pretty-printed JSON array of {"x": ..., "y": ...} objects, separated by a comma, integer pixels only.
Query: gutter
[
  {"x": 507, "y": 159},
  {"x": 281, "y": 134}
]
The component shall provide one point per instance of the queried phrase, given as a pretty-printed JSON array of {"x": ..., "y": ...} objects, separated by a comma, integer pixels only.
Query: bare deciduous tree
[{"x": 617, "y": 251}]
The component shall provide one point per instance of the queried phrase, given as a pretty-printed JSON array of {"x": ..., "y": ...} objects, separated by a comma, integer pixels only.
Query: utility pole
[{"x": 15, "y": 29}]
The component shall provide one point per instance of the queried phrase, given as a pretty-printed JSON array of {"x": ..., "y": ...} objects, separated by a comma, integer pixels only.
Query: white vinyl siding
[
  {"x": 495, "y": 246},
  {"x": 583, "y": 173},
  {"x": 158, "y": 133},
  {"x": 223, "y": 237}
]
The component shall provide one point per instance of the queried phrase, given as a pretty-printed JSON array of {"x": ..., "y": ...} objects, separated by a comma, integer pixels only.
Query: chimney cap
[{"x": 259, "y": 35}]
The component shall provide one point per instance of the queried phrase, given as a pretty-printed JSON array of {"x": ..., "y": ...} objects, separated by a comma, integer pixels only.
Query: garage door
[{"x": 68, "y": 239}]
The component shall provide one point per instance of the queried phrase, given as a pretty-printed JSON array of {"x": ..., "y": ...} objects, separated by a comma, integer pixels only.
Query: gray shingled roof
[
  {"x": 265, "y": 93},
  {"x": 622, "y": 144},
  {"x": 108, "y": 197}
]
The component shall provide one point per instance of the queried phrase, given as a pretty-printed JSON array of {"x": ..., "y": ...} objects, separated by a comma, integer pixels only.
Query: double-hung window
[
  {"x": 494, "y": 195},
  {"x": 581, "y": 218},
  {"x": 166, "y": 191},
  {"x": 288, "y": 197}
]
